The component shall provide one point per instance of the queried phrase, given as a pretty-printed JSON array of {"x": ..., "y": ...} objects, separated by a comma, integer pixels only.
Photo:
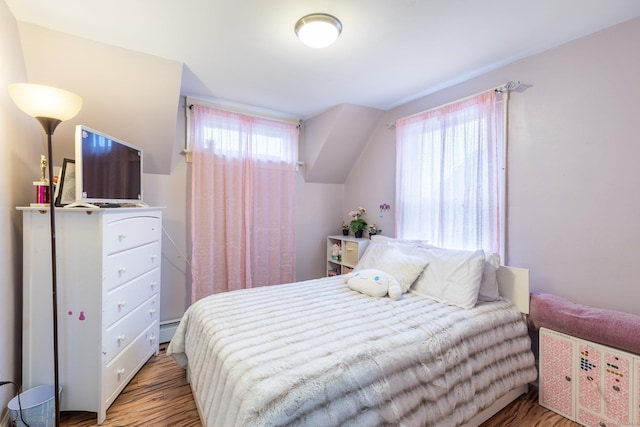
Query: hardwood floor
[
  {"x": 159, "y": 396},
  {"x": 525, "y": 412}
]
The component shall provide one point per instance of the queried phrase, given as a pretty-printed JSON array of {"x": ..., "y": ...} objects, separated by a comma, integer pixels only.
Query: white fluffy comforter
[{"x": 316, "y": 353}]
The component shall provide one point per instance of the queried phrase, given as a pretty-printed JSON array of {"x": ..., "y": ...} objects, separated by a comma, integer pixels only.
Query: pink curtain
[
  {"x": 242, "y": 201},
  {"x": 450, "y": 175}
]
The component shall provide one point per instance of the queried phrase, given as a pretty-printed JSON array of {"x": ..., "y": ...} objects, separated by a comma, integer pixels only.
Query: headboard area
[{"x": 513, "y": 283}]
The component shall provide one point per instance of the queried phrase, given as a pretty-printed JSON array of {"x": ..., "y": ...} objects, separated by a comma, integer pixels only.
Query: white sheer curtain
[
  {"x": 450, "y": 180},
  {"x": 242, "y": 201}
]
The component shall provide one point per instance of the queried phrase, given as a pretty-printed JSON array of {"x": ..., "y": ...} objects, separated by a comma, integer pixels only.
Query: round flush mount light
[{"x": 318, "y": 30}]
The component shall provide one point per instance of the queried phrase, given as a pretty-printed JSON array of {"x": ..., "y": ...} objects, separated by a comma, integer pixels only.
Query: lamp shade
[
  {"x": 45, "y": 101},
  {"x": 318, "y": 30}
]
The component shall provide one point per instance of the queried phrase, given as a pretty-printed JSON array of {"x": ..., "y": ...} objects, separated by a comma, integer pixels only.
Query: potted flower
[
  {"x": 373, "y": 230},
  {"x": 358, "y": 224},
  {"x": 345, "y": 228}
]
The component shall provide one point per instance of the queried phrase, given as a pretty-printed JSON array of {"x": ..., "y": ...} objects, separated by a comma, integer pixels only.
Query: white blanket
[{"x": 316, "y": 353}]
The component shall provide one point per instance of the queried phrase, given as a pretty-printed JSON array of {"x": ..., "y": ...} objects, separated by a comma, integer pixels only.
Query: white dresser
[{"x": 108, "y": 264}]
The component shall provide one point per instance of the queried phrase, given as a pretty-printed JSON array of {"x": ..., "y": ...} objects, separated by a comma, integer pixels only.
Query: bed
[{"x": 319, "y": 353}]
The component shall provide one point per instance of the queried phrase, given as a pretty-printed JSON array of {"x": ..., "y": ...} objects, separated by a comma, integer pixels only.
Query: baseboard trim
[{"x": 167, "y": 329}]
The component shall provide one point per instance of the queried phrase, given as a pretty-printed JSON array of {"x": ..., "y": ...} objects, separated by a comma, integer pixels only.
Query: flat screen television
[{"x": 108, "y": 170}]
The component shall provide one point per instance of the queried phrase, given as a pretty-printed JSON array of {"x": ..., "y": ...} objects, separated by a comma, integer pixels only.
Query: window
[
  {"x": 267, "y": 146},
  {"x": 450, "y": 175},
  {"x": 243, "y": 187}
]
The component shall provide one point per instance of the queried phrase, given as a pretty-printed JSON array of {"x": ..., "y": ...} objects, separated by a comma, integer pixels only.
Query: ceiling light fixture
[{"x": 318, "y": 30}]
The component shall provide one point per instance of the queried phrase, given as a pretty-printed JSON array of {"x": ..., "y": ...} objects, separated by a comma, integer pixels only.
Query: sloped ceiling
[
  {"x": 129, "y": 95},
  {"x": 131, "y": 61},
  {"x": 389, "y": 52},
  {"x": 334, "y": 141}
]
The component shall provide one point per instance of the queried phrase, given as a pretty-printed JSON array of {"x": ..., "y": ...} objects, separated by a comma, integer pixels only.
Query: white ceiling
[{"x": 390, "y": 51}]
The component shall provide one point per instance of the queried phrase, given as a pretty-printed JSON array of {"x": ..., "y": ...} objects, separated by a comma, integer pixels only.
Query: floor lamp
[{"x": 50, "y": 106}]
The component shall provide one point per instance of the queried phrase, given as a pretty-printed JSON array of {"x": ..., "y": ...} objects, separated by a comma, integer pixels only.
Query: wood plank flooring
[
  {"x": 159, "y": 396},
  {"x": 525, "y": 412}
]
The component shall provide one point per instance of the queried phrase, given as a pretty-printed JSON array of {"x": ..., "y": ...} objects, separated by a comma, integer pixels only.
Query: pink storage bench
[{"x": 608, "y": 327}]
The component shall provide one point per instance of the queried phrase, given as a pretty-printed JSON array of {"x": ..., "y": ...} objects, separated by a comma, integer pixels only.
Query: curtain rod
[
  {"x": 242, "y": 110},
  {"x": 505, "y": 87}
]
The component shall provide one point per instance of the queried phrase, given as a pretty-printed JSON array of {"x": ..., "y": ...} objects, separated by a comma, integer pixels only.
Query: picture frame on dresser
[{"x": 66, "y": 188}]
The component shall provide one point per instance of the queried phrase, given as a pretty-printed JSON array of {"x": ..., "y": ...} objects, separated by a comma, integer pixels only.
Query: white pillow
[
  {"x": 452, "y": 277},
  {"x": 375, "y": 283},
  {"x": 376, "y": 252},
  {"x": 489, "y": 286},
  {"x": 372, "y": 255},
  {"x": 384, "y": 239},
  {"x": 405, "y": 264}
]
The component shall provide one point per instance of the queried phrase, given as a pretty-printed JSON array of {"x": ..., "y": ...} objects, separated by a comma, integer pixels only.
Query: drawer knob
[
  {"x": 122, "y": 270},
  {"x": 121, "y": 338},
  {"x": 152, "y": 339},
  {"x": 153, "y": 285},
  {"x": 616, "y": 388},
  {"x": 153, "y": 257},
  {"x": 120, "y": 371},
  {"x": 568, "y": 378},
  {"x": 152, "y": 311},
  {"x": 122, "y": 236},
  {"x": 121, "y": 304}
]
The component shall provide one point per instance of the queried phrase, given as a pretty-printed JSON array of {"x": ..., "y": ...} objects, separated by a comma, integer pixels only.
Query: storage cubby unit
[
  {"x": 350, "y": 252},
  {"x": 589, "y": 383}
]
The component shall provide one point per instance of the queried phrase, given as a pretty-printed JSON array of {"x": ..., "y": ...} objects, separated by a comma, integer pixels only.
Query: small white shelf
[{"x": 351, "y": 250}]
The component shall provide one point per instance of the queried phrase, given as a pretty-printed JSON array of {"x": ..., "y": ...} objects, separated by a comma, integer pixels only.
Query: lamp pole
[{"x": 49, "y": 126}]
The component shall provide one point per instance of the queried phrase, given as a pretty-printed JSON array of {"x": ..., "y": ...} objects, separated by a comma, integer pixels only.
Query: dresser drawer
[
  {"x": 121, "y": 369},
  {"x": 118, "y": 336},
  {"x": 125, "y": 266},
  {"x": 127, "y": 233},
  {"x": 122, "y": 300}
]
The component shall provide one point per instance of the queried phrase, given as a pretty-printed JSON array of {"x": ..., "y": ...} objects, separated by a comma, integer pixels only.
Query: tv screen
[{"x": 108, "y": 170}]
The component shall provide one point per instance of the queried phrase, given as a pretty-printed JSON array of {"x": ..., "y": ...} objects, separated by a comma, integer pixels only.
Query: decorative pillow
[
  {"x": 489, "y": 286},
  {"x": 405, "y": 268},
  {"x": 405, "y": 264},
  {"x": 375, "y": 283},
  {"x": 452, "y": 277}
]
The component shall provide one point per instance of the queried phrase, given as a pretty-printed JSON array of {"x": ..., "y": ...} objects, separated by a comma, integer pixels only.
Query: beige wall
[
  {"x": 573, "y": 199},
  {"x": 126, "y": 94},
  {"x": 21, "y": 143}
]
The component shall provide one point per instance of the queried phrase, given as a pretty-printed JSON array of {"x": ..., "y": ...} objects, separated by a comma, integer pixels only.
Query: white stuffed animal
[{"x": 375, "y": 283}]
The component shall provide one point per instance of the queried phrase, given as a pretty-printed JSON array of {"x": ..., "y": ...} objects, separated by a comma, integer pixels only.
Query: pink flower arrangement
[{"x": 358, "y": 224}]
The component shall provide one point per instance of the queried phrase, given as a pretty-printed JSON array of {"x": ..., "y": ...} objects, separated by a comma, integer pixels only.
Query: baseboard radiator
[{"x": 167, "y": 329}]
